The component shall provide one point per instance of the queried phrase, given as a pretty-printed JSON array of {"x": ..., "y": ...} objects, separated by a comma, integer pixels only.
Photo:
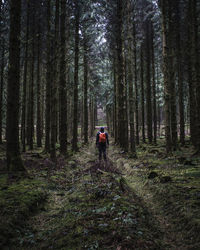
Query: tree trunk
[
  {"x": 91, "y": 108},
  {"x": 166, "y": 71},
  {"x": 42, "y": 101},
  {"x": 180, "y": 74},
  {"x": 136, "y": 85},
  {"x": 130, "y": 82},
  {"x": 172, "y": 74},
  {"x": 2, "y": 88},
  {"x": 54, "y": 86},
  {"x": 191, "y": 80},
  {"x": 142, "y": 91},
  {"x": 85, "y": 112},
  {"x": 30, "y": 125},
  {"x": 39, "y": 134},
  {"x": 122, "y": 112},
  {"x": 63, "y": 84},
  {"x": 23, "y": 120},
  {"x": 115, "y": 101},
  {"x": 153, "y": 87},
  {"x": 148, "y": 84},
  {"x": 197, "y": 70},
  {"x": 14, "y": 161},
  {"x": 48, "y": 80},
  {"x": 76, "y": 68}
]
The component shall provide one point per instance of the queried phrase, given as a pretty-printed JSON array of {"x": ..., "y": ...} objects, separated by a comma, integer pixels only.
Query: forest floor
[{"x": 151, "y": 202}]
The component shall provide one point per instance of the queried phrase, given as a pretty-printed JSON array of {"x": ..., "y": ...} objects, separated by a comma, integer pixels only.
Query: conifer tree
[{"x": 14, "y": 161}]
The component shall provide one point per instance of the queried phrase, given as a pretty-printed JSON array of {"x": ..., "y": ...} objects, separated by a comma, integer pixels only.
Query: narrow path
[{"x": 92, "y": 206}]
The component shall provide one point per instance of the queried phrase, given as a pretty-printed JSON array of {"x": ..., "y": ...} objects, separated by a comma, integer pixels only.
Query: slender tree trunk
[
  {"x": 172, "y": 75},
  {"x": 1, "y": 77},
  {"x": 63, "y": 87},
  {"x": 31, "y": 87},
  {"x": 122, "y": 112},
  {"x": 48, "y": 80},
  {"x": 14, "y": 161},
  {"x": 166, "y": 69},
  {"x": 115, "y": 101},
  {"x": 180, "y": 74},
  {"x": 42, "y": 99},
  {"x": 91, "y": 108},
  {"x": 95, "y": 113},
  {"x": 39, "y": 134},
  {"x": 85, "y": 62},
  {"x": 148, "y": 84},
  {"x": 158, "y": 102},
  {"x": 82, "y": 111},
  {"x": 23, "y": 122},
  {"x": 54, "y": 86},
  {"x": 191, "y": 80},
  {"x": 76, "y": 68},
  {"x": 197, "y": 70},
  {"x": 136, "y": 85},
  {"x": 142, "y": 91},
  {"x": 130, "y": 83},
  {"x": 2, "y": 88},
  {"x": 153, "y": 87}
]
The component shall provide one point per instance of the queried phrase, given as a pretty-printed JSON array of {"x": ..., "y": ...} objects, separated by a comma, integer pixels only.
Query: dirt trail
[{"x": 91, "y": 206}]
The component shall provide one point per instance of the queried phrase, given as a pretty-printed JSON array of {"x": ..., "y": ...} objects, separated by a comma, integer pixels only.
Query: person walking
[{"x": 102, "y": 142}]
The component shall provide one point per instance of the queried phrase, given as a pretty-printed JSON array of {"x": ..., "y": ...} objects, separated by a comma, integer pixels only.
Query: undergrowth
[
  {"x": 151, "y": 202},
  {"x": 169, "y": 187},
  {"x": 17, "y": 201}
]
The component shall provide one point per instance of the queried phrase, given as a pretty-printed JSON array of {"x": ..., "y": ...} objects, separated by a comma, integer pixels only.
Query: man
[{"x": 101, "y": 141}]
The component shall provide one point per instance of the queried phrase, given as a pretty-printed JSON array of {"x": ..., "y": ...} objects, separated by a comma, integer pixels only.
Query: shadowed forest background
[{"x": 68, "y": 67}]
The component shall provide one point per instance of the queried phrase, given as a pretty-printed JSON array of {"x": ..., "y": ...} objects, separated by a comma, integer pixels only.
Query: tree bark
[
  {"x": 153, "y": 87},
  {"x": 39, "y": 132},
  {"x": 148, "y": 84},
  {"x": 166, "y": 71},
  {"x": 180, "y": 74},
  {"x": 63, "y": 83},
  {"x": 191, "y": 80},
  {"x": 76, "y": 68},
  {"x": 130, "y": 82},
  {"x": 172, "y": 74},
  {"x": 54, "y": 86},
  {"x": 2, "y": 89},
  {"x": 85, "y": 62},
  {"x": 137, "y": 138},
  {"x": 14, "y": 161},
  {"x": 122, "y": 112},
  {"x": 48, "y": 80},
  {"x": 91, "y": 108},
  {"x": 197, "y": 70},
  {"x": 30, "y": 124},
  {"x": 142, "y": 91},
  {"x": 115, "y": 101},
  {"x": 23, "y": 122}
]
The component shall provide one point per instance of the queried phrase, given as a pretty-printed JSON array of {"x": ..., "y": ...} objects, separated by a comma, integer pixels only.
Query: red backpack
[{"x": 102, "y": 137}]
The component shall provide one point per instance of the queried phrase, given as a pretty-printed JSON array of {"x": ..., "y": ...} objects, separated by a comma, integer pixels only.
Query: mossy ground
[
  {"x": 17, "y": 201},
  {"x": 113, "y": 206},
  {"x": 172, "y": 194}
]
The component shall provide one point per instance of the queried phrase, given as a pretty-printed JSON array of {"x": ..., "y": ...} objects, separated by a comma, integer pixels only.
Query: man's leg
[
  {"x": 104, "y": 153},
  {"x": 100, "y": 152}
]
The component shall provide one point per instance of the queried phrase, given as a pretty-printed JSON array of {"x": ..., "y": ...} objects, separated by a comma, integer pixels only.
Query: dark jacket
[{"x": 97, "y": 138}]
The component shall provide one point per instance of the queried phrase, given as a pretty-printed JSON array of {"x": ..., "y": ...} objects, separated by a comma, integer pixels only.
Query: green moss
[
  {"x": 17, "y": 201},
  {"x": 94, "y": 214}
]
